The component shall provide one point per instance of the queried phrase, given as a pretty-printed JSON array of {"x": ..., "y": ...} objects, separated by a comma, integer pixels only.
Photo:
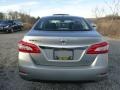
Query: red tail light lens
[
  {"x": 28, "y": 47},
  {"x": 98, "y": 48}
]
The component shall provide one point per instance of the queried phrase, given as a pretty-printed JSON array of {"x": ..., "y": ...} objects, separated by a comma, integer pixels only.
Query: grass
[
  {"x": 109, "y": 28},
  {"x": 27, "y": 26}
]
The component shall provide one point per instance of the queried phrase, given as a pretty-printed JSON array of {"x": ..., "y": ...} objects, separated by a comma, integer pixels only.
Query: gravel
[{"x": 10, "y": 80}]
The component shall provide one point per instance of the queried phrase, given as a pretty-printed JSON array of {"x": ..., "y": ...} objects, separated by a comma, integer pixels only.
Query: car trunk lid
[{"x": 69, "y": 47}]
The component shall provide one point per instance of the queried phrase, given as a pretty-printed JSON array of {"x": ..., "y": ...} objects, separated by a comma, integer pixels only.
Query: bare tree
[
  {"x": 108, "y": 25},
  {"x": 113, "y": 7},
  {"x": 1, "y": 15},
  {"x": 98, "y": 12}
]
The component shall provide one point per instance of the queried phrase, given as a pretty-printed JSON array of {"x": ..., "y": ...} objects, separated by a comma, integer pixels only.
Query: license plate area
[{"x": 63, "y": 54}]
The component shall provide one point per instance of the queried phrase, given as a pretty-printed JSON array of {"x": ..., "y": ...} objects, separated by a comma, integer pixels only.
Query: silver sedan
[{"x": 63, "y": 48}]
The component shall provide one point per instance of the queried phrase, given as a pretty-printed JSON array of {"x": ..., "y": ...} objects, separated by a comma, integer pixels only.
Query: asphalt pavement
[{"x": 10, "y": 80}]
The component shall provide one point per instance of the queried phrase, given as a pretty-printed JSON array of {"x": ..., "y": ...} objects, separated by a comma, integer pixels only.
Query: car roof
[{"x": 61, "y": 15}]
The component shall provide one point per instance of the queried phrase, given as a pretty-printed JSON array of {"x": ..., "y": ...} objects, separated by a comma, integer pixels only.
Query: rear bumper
[{"x": 62, "y": 73}]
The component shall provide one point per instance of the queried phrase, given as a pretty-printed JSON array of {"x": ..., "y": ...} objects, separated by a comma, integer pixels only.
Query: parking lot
[{"x": 10, "y": 80}]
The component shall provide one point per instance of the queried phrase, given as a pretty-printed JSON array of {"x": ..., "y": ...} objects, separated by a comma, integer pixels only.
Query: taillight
[
  {"x": 28, "y": 47},
  {"x": 98, "y": 48}
]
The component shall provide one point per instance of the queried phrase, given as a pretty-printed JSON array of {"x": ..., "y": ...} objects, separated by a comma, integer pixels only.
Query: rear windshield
[{"x": 62, "y": 24}]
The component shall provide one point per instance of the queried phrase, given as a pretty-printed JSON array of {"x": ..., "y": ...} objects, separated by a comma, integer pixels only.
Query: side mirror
[{"x": 94, "y": 26}]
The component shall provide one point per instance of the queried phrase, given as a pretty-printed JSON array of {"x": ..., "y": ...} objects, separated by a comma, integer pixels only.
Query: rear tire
[
  {"x": 20, "y": 29},
  {"x": 7, "y": 31},
  {"x": 11, "y": 30}
]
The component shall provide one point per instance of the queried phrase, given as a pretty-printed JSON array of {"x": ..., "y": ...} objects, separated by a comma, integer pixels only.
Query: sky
[{"x": 84, "y": 8}]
